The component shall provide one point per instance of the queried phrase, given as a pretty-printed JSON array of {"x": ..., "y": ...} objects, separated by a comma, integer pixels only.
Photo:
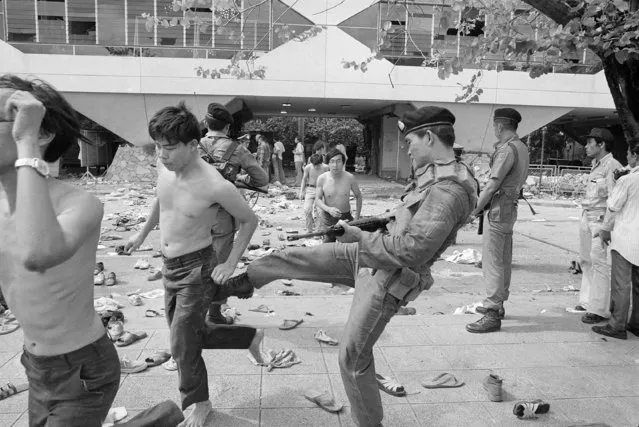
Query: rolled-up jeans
[
  {"x": 370, "y": 312},
  {"x": 309, "y": 208},
  {"x": 595, "y": 263}
]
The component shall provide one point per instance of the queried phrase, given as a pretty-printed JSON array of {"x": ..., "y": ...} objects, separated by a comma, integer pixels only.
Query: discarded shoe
[
  {"x": 99, "y": 267},
  {"x": 322, "y": 337},
  {"x": 157, "y": 359},
  {"x": 128, "y": 338},
  {"x": 406, "y": 311},
  {"x": 170, "y": 365},
  {"x": 289, "y": 324},
  {"x": 492, "y": 384},
  {"x": 390, "y": 386},
  {"x": 324, "y": 400},
  {"x": 580, "y": 307},
  {"x": 99, "y": 279},
  {"x": 444, "y": 380},
  {"x": 529, "y": 409},
  {"x": 115, "y": 328},
  {"x": 128, "y": 366},
  {"x": 111, "y": 279}
]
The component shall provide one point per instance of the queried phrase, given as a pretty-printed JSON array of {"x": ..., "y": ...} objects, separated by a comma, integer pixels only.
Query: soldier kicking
[
  {"x": 424, "y": 226},
  {"x": 189, "y": 190}
]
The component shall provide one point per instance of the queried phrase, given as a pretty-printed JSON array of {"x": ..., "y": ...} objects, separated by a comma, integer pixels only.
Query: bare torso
[
  {"x": 314, "y": 172},
  {"x": 186, "y": 211},
  {"x": 54, "y": 308},
  {"x": 337, "y": 190}
]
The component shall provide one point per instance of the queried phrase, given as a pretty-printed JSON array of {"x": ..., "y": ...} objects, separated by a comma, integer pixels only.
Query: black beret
[
  {"x": 423, "y": 118},
  {"x": 509, "y": 114},
  {"x": 601, "y": 135},
  {"x": 219, "y": 112}
]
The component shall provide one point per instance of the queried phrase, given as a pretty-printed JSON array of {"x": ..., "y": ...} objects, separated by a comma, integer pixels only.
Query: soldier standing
[{"x": 508, "y": 173}]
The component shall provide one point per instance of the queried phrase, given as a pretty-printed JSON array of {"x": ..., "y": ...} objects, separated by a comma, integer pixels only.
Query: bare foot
[
  {"x": 254, "y": 349},
  {"x": 199, "y": 412}
]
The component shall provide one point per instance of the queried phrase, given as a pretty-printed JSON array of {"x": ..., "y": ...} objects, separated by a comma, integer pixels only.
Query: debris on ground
[
  {"x": 468, "y": 309},
  {"x": 406, "y": 311},
  {"x": 467, "y": 256},
  {"x": 282, "y": 359},
  {"x": 321, "y": 336}
]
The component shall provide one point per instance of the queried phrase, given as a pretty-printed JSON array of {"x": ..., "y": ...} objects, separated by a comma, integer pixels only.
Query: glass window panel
[
  {"x": 199, "y": 30},
  {"x": 256, "y": 24},
  {"x": 170, "y": 31},
  {"x": 82, "y": 26},
  {"x": 138, "y": 34},
  {"x": 111, "y": 22},
  {"x": 51, "y": 23},
  {"x": 419, "y": 26},
  {"x": 21, "y": 21}
]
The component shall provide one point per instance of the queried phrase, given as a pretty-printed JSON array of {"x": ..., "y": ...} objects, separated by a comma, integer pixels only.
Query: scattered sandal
[
  {"x": 153, "y": 313},
  {"x": 111, "y": 279},
  {"x": 128, "y": 338},
  {"x": 159, "y": 358},
  {"x": 262, "y": 309},
  {"x": 529, "y": 409},
  {"x": 99, "y": 279},
  {"x": 444, "y": 380},
  {"x": 289, "y": 324},
  {"x": 10, "y": 389},
  {"x": 128, "y": 366},
  {"x": 390, "y": 386},
  {"x": 322, "y": 337},
  {"x": 324, "y": 400}
]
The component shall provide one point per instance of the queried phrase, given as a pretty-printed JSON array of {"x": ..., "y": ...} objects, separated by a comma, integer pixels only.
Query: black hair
[
  {"x": 59, "y": 119},
  {"x": 175, "y": 125},
  {"x": 318, "y": 146},
  {"x": 507, "y": 124},
  {"x": 335, "y": 152},
  {"x": 316, "y": 159},
  {"x": 446, "y": 133},
  {"x": 633, "y": 147}
]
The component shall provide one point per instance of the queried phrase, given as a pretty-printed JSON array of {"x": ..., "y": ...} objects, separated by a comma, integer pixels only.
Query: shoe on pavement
[
  {"x": 483, "y": 310},
  {"x": 170, "y": 365},
  {"x": 128, "y": 366},
  {"x": 492, "y": 384},
  {"x": 580, "y": 307},
  {"x": 591, "y": 318},
  {"x": 489, "y": 323},
  {"x": 609, "y": 332},
  {"x": 529, "y": 409}
]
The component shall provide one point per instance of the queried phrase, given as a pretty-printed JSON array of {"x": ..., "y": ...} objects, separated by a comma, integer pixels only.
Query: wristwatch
[{"x": 39, "y": 165}]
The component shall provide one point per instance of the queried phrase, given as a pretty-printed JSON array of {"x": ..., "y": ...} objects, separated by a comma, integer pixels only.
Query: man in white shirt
[
  {"x": 298, "y": 157},
  {"x": 622, "y": 217},
  {"x": 278, "y": 151}
]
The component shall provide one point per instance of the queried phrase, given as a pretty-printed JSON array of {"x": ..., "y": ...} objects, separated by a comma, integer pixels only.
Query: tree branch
[
  {"x": 558, "y": 11},
  {"x": 330, "y": 8}
]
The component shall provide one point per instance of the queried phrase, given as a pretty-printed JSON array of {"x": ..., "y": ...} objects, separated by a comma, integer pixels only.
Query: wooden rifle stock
[{"x": 365, "y": 224}]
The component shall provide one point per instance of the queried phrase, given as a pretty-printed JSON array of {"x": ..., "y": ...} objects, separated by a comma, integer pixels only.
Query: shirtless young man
[
  {"x": 49, "y": 232},
  {"x": 312, "y": 171},
  {"x": 333, "y": 193},
  {"x": 188, "y": 191}
]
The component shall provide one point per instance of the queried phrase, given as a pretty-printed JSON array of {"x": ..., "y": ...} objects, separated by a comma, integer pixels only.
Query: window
[
  {"x": 138, "y": 33},
  {"x": 82, "y": 25},
  {"x": 21, "y": 24},
  {"x": 111, "y": 22},
  {"x": 51, "y": 25}
]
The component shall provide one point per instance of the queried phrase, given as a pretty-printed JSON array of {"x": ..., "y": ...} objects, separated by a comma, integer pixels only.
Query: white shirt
[
  {"x": 623, "y": 204},
  {"x": 298, "y": 154},
  {"x": 279, "y": 149}
]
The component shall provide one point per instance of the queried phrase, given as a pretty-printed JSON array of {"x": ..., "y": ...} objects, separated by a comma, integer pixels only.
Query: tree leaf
[{"x": 622, "y": 56}]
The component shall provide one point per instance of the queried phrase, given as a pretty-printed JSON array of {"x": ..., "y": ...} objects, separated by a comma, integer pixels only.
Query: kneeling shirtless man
[
  {"x": 188, "y": 188},
  {"x": 49, "y": 232}
]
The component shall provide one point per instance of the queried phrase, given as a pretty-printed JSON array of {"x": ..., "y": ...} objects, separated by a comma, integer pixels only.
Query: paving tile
[
  {"x": 340, "y": 393},
  {"x": 553, "y": 382},
  {"x": 229, "y": 362},
  {"x": 402, "y": 359},
  {"x": 8, "y": 419},
  {"x": 627, "y": 406},
  {"x": 15, "y": 404},
  {"x": 586, "y": 411},
  {"x": 403, "y": 336},
  {"x": 406, "y": 320},
  {"x": 23, "y": 421},
  {"x": 13, "y": 341},
  {"x": 160, "y": 340},
  {"x": 142, "y": 392},
  {"x": 394, "y": 416},
  {"x": 589, "y": 354},
  {"x": 286, "y": 391},
  {"x": 471, "y": 391},
  {"x": 500, "y": 355},
  {"x": 299, "y": 417},
  {"x": 455, "y": 335},
  {"x": 277, "y": 339},
  {"x": 312, "y": 363},
  {"x": 5, "y": 356},
  {"x": 234, "y": 418},
  {"x": 13, "y": 369},
  {"x": 613, "y": 380},
  {"x": 331, "y": 358},
  {"x": 453, "y": 415},
  {"x": 235, "y": 391}
]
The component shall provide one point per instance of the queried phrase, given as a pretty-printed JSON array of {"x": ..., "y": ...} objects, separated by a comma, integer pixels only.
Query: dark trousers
[
  {"x": 75, "y": 389},
  {"x": 624, "y": 283},
  {"x": 189, "y": 290},
  {"x": 327, "y": 220}
]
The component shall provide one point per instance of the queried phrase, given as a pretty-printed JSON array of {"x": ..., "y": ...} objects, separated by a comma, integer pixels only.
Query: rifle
[
  {"x": 372, "y": 223},
  {"x": 480, "y": 227},
  {"x": 241, "y": 185},
  {"x": 521, "y": 196}
]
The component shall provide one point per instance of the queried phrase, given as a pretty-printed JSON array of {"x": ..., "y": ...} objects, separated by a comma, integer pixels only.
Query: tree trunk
[
  {"x": 623, "y": 81},
  {"x": 133, "y": 164}
]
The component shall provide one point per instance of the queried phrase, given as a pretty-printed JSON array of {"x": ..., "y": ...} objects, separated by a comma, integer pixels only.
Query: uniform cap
[
  {"x": 423, "y": 118},
  {"x": 508, "y": 114},
  {"x": 219, "y": 112}
]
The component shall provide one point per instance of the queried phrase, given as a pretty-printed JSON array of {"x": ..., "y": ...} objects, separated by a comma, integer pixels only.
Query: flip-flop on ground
[
  {"x": 289, "y": 324},
  {"x": 324, "y": 400},
  {"x": 443, "y": 380},
  {"x": 157, "y": 359},
  {"x": 128, "y": 338},
  {"x": 10, "y": 389}
]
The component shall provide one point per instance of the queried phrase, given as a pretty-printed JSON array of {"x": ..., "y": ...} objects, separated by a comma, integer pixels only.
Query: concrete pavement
[{"x": 541, "y": 352}]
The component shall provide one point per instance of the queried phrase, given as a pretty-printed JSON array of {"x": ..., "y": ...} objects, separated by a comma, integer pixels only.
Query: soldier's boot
[
  {"x": 489, "y": 323},
  {"x": 483, "y": 310},
  {"x": 238, "y": 286}
]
